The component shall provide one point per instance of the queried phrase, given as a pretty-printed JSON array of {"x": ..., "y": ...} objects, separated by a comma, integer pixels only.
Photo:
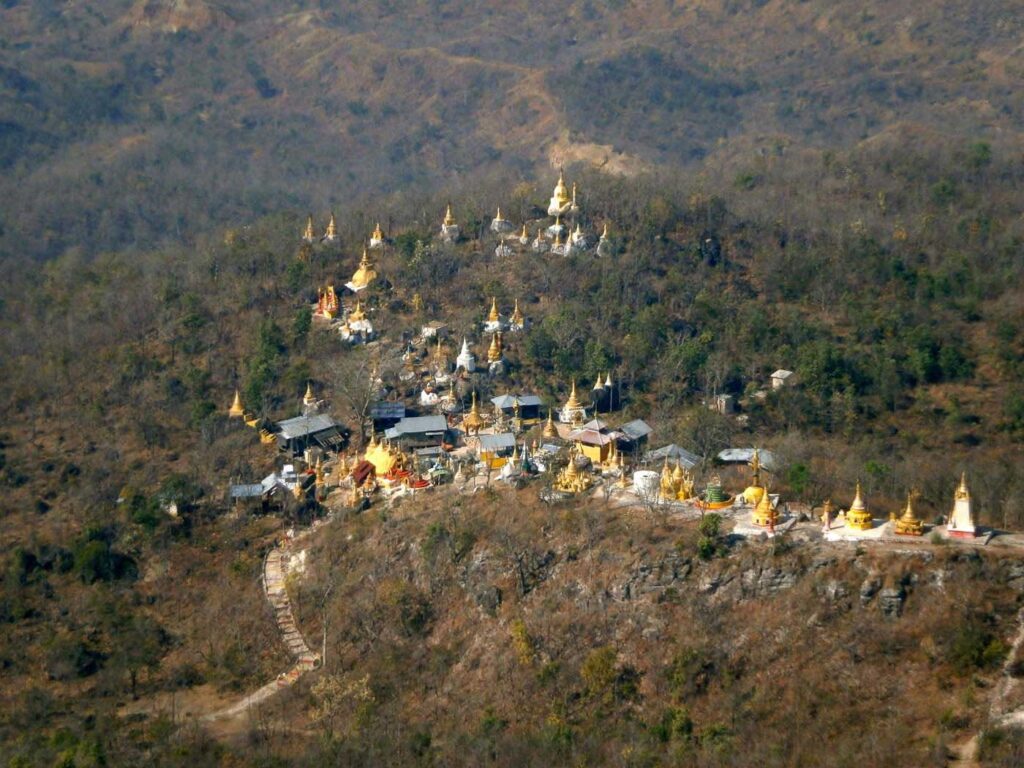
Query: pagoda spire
[{"x": 236, "y": 411}]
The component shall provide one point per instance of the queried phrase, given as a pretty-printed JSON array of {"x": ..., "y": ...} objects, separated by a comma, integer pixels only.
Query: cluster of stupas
[
  {"x": 330, "y": 233},
  {"x": 676, "y": 484},
  {"x": 858, "y": 519},
  {"x": 554, "y": 237}
]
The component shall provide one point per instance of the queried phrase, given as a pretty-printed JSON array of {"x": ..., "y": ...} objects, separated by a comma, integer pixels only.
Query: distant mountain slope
[{"x": 130, "y": 121}]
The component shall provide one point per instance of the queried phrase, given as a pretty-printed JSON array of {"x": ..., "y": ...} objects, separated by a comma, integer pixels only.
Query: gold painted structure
[
  {"x": 858, "y": 518},
  {"x": 908, "y": 524},
  {"x": 473, "y": 422},
  {"x": 365, "y": 274},
  {"x": 570, "y": 479},
  {"x": 236, "y": 411}
]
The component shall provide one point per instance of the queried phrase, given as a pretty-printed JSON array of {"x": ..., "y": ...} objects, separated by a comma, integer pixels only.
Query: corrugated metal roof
[
  {"x": 743, "y": 456},
  {"x": 301, "y": 426},
  {"x": 497, "y": 442},
  {"x": 674, "y": 453},
  {"x": 387, "y": 411},
  {"x": 636, "y": 429},
  {"x": 248, "y": 491},
  {"x": 507, "y": 401},
  {"x": 418, "y": 425}
]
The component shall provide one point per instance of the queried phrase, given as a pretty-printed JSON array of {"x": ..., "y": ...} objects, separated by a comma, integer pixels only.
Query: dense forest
[{"x": 832, "y": 188}]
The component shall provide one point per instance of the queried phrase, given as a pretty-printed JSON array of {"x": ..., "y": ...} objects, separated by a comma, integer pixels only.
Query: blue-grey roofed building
[
  {"x": 673, "y": 453},
  {"x": 295, "y": 435},
  {"x": 386, "y": 415},
  {"x": 418, "y": 431},
  {"x": 529, "y": 405}
]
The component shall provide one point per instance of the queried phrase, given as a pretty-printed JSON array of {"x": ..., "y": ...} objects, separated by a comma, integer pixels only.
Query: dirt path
[
  {"x": 274, "y": 570},
  {"x": 966, "y": 755}
]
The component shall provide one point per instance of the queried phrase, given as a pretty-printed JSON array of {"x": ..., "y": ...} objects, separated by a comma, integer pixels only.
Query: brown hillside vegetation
[{"x": 235, "y": 109}]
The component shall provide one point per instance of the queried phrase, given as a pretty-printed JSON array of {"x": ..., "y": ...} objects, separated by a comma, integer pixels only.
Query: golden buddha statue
[
  {"x": 560, "y": 199},
  {"x": 667, "y": 488},
  {"x": 236, "y": 411},
  {"x": 365, "y": 274},
  {"x": 858, "y": 517},
  {"x": 826, "y": 514},
  {"x": 908, "y": 524}
]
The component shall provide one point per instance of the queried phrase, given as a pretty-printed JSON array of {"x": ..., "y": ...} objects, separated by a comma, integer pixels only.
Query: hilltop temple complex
[{"x": 427, "y": 422}]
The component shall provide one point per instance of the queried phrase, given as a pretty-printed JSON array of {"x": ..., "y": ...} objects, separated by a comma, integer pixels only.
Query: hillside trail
[
  {"x": 965, "y": 755},
  {"x": 275, "y": 568}
]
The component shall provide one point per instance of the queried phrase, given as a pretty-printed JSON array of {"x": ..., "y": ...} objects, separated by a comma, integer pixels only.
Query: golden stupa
[
  {"x": 309, "y": 399},
  {"x": 377, "y": 235},
  {"x": 365, "y": 274},
  {"x": 517, "y": 315},
  {"x": 550, "y": 430},
  {"x": 495, "y": 351},
  {"x": 570, "y": 479},
  {"x": 332, "y": 228},
  {"x": 236, "y": 411},
  {"x": 492, "y": 315},
  {"x": 357, "y": 313},
  {"x": 308, "y": 235},
  {"x": 755, "y": 492},
  {"x": 473, "y": 422},
  {"x": 765, "y": 514},
  {"x": 560, "y": 196},
  {"x": 858, "y": 517},
  {"x": 908, "y": 524},
  {"x": 449, "y": 219},
  {"x": 380, "y": 455}
]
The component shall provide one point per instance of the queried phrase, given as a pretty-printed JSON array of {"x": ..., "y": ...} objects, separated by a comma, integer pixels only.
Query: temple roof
[
  {"x": 673, "y": 451},
  {"x": 301, "y": 426}
]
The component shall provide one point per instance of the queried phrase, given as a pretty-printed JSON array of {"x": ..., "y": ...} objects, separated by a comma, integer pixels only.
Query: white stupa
[
  {"x": 961, "y": 519},
  {"x": 466, "y": 359}
]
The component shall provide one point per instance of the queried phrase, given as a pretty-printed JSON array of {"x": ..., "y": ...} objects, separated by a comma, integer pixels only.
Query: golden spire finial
[
  {"x": 858, "y": 501},
  {"x": 236, "y": 411},
  {"x": 961, "y": 491},
  {"x": 558, "y": 237},
  {"x": 573, "y": 402},
  {"x": 377, "y": 233},
  {"x": 449, "y": 219},
  {"x": 494, "y": 352},
  {"x": 549, "y": 428},
  {"x": 524, "y": 235},
  {"x": 492, "y": 315},
  {"x": 517, "y": 315},
  {"x": 308, "y": 233},
  {"x": 332, "y": 228},
  {"x": 498, "y": 216}
]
